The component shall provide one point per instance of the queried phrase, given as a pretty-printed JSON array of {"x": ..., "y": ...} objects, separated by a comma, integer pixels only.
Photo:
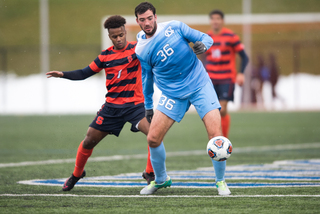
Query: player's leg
[
  {"x": 207, "y": 105},
  {"x": 136, "y": 116},
  {"x": 212, "y": 123},
  {"x": 104, "y": 123},
  {"x": 160, "y": 125},
  {"x": 168, "y": 111},
  {"x": 85, "y": 149},
  {"x": 148, "y": 173},
  {"x": 144, "y": 126},
  {"x": 225, "y": 94},
  {"x": 225, "y": 118}
]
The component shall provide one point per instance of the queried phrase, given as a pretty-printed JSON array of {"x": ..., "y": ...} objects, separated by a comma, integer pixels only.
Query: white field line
[
  {"x": 169, "y": 154},
  {"x": 155, "y": 196}
]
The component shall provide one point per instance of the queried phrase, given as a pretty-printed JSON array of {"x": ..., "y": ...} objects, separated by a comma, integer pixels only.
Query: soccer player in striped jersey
[
  {"x": 220, "y": 61},
  {"x": 124, "y": 100},
  {"x": 168, "y": 61}
]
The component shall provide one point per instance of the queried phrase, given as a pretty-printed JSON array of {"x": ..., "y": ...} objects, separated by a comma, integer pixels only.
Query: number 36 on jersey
[{"x": 165, "y": 52}]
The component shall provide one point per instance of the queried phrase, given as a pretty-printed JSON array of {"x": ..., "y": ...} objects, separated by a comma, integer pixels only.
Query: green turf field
[{"x": 40, "y": 138}]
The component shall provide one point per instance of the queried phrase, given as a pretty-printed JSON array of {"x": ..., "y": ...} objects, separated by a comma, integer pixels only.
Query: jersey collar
[{"x": 114, "y": 50}]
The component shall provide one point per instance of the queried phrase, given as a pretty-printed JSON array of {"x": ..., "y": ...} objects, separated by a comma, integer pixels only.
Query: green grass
[
  {"x": 30, "y": 138},
  {"x": 159, "y": 205}
]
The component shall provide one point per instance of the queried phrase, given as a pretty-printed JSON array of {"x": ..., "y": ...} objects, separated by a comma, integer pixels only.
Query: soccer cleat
[
  {"x": 148, "y": 176},
  {"x": 222, "y": 188},
  {"x": 71, "y": 181},
  {"x": 153, "y": 187}
]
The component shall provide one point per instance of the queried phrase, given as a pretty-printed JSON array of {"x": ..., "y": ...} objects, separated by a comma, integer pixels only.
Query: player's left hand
[
  {"x": 199, "y": 48},
  {"x": 240, "y": 79}
]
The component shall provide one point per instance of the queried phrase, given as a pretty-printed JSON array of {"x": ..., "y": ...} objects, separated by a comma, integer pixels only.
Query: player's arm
[
  {"x": 238, "y": 47},
  {"x": 202, "y": 42},
  {"x": 147, "y": 85},
  {"x": 244, "y": 60},
  {"x": 80, "y": 74}
]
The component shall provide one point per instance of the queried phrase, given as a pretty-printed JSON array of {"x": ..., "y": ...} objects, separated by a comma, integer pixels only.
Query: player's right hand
[
  {"x": 149, "y": 115},
  {"x": 240, "y": 79},
  {"x": 54, "y": 74}
]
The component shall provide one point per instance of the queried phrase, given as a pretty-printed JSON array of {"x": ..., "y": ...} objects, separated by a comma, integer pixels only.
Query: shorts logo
[
  {"x": 129, "y": 59},
  {"x": 168, "y": 32},
  {"x": 99, "y": 120}
]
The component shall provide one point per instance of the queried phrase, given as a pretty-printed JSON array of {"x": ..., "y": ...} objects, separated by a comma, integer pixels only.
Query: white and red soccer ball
[{"x": 219, "y": 148}]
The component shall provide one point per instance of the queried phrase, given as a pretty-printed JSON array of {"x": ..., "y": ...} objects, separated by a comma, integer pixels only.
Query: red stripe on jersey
[
  {"x": 94, "y": 67},
  {"x": 221, "y": 56},
  {"x": 123, "y": 74}
]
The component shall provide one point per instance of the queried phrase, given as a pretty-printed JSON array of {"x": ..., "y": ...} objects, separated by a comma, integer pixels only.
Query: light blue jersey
[{"x": 168, "y": 61}]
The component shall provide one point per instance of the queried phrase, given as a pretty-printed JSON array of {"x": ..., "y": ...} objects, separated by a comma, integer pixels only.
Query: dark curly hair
[
  {"x": 218, "y": 12},
  {"x": 114, "y": 22},
  {"x": 143, "y": 7}
]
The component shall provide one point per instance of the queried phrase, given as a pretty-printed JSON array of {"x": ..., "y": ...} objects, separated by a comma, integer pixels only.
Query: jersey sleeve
[
  {"x": 80, "y": 74},
  {"x": 236, "y": 44},
  {"x": 193, "y": 35},
  {"x": 147, "y": 84},
  {"x": 96, "y": 65}
]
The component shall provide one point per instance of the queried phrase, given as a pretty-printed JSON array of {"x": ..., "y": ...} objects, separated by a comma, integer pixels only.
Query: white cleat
[
  {"x": 223, "y": 188},
  {"x": 153, "y": 186}
]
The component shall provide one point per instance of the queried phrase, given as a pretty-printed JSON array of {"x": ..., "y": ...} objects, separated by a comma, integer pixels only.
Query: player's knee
[
  {"x": 153, "y": 141},
  {"x": 89, "y": 142},
  {"x": 223, "y": 112}
]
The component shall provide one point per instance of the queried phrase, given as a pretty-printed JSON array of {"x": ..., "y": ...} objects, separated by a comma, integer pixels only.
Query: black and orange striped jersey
[
  {"x": 123, "y": 75},
  {"x": 221, "y": 56}
]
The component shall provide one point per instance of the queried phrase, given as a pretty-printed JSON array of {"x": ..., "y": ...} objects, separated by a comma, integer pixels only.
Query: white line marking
[
  {"x": 154, "y": 196},
  {"x": 83, "y": 184},
  {"x": 169, "y": 154}
]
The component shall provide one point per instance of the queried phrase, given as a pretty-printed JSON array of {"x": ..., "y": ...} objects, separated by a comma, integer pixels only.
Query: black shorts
[
  {"x": 224, "y": 91},
  {"x": 111, "y": 119}
]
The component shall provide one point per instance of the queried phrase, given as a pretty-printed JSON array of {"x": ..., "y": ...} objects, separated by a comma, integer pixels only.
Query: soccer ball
[{"x": 219, "y": 148}]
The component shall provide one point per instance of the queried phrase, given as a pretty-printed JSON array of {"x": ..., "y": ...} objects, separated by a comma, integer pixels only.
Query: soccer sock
[
  {"x": 225, "y": 123},
  {"x": 158, "y": 158},
  {"x": 149, "y": 168},
  {"x": 219, "y": 169},
  {"x": 81, "y": 160}
]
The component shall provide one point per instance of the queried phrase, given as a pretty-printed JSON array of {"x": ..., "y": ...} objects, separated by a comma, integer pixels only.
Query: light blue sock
[
  {"x": 219, "y": 169},
  {"x": 158, "y": 158}
]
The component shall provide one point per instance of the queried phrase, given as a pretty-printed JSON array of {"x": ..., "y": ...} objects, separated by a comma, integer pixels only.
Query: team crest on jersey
[
  {"x": 129, "y": 59},
  {"x": 168, "y": 32}
]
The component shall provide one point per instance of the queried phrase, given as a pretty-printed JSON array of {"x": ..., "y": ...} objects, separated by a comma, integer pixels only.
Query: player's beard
[{"x": 153, "y": 30}]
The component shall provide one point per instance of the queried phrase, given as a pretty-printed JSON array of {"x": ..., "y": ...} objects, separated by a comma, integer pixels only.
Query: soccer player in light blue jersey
[{"x": 168, "y": 61}]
